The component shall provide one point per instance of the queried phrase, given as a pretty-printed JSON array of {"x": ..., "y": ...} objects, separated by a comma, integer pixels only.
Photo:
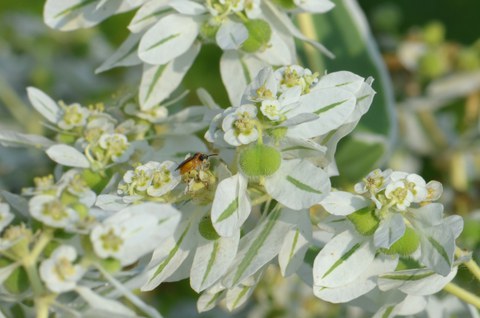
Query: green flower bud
[
  {"x": 66, "y": 139},
  {"x": 94, "y": 180},
  {"x": 406, "y": 245},
  {"x": 468, "y": 60},
  {"x": 111, "y": 265},
  {"x": 433, "y": 64},
  {"x": 259, "y": 34},
  {"x": 434, "y": 33},
  {"x": 206, "y": 229},
  {"x": 364, "y": 220},
  {"x": 259, "y": 161}
]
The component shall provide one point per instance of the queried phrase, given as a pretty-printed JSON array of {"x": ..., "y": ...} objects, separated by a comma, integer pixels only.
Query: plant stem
[
  {"x": 471, "y": 264},
  {"x": 462, "y": 294},
  {"x": 305, "y": 23},
  {"x": 42, "y": 305}
]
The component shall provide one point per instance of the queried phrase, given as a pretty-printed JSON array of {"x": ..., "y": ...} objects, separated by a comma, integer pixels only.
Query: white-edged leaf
[
  {"x": 390, "y": 230},
  {"x": 455, "y": 222},
  {"x": 43, "y": 104},
  {"x": 188, "y": 7},
  {"x": 277, "y": 52},
  {"x": 207, "y": 301},
  {"x": 419, "y": 282},
  {"x": 260, "y": 245},
  {"x": 343, "y": 79},
  {"x": 67, "y": 15},
  {"x": 96, "y": 301},
  {"x": 343, "y": 203},
  {"x": 126, "y": 54},
  {"x": 333, "y": 107},
  {"x": 301, "y": 148},
  {"x": 171, "y": 253},
  {"x": 10, "y": 138},
  {"x": 428, "y": 215},
  {"x": 361, "y": 285},
  {"x": 148, "y": 14},
  {"x": 342, "y": 260},
  {"x": 237, "y": 72},
  {"x": 211, "y": 261},
  {"x": 295, "y": 245},
  {"x": 110, "y": 202},
  {"x": 298, "y": 184},
  {"x": 170, "y": 37},
  {"x": 438, "y": 246},
  {"x": 67, "y": 156},
  {"x": 159, "y": 81},
  {"x": 231, "y": 205},
  {"x": 236, "y": 296},
  {"x": 231, "y": 35},
  {"x": 17, "y": 202}
]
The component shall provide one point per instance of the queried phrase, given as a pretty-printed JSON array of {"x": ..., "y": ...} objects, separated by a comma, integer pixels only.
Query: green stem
[
  {"x": 307, "y": 27},
  {"x": 42, "y": 305},
  {"x": 30, "y": 262},
  {"x": 471, "y": 264},
  {"x": 462, "y": 294}
]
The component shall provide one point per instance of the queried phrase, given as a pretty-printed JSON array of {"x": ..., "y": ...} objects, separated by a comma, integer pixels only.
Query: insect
[{"x": 194, "y": 162}]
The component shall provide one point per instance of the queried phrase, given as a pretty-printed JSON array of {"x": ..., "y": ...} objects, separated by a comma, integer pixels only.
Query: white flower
[
  {"x": 116, "y": 145},
  {"x": 416, "y": 184},
  {"x": 374, "y": 182},
  {"x": 58, "y": 272},
  {"x": 5, "y": 216},
  {"x": 155, "y": 115},
  {"x": 51, "y": 211},
  {"x": 134, "y": 231},
  {"x": 239, "y": 125},
  {"x": 164, "y": 178},
  {"x": 295, "y": 75},
  {"x": 74, "y": 115},
  {"x": 399, "y": 194},
  {"x": 434, "y": 191}
]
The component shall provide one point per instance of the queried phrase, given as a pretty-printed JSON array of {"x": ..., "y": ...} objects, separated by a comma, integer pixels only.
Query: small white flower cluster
[
  {"x": 153, "y": 179},
  {"x": 166, "y": 33},
  {"x": 392, "y": 221}
]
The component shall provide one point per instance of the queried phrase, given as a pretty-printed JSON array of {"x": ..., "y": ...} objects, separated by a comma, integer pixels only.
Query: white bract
[
  {"x": 134, "y": 231},
  {"x": 52, "y": 211},
  {"x": 59, "y": 272}
]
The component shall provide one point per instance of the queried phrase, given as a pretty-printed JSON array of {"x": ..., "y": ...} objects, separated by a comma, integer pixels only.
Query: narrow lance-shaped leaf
[
  {"x": 126, "y": 55},
  {"x": 67, "y": 156},
  {"x": 259, "y": 246},
  {"x": 418, "y": 282},
  {"x": 342, "y": 260},
  {"x": 159, "y": 81},
  {"x": 15, "y": 139},
  {"x": 67, "y": 15},
  {"x": 231, "y": 205},
  {"x": 170, "y": 254},
  {"x": 438, "y": 245},
  {"x": 295, "y": 245},
  {"x": 170, "y": 37},
  {"x": 43, "y": 104},
  {"x": 211, "y": 261},
  {"x": 238, "y": 295},
  {"x": 106, "y": 305}
]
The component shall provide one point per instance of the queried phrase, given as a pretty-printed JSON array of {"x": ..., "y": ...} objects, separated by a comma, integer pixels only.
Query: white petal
[
  {"x": 170, "y": 37},
  {"x": 188, "y": 7}
]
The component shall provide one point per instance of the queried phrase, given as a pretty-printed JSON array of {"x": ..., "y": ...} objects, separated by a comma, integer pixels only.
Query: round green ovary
[
  {"x": 260, "y": 161},
  {"x": 365, "y": 221},
  {"x": 259, "y": 33},
  {"x": 206, "y": 229}
]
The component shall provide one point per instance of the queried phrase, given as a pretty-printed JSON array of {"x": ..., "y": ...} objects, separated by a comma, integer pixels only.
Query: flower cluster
[{"x": 390, "y": 235}]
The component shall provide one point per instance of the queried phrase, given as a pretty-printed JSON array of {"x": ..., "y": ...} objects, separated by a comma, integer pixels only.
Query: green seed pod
[
  {"x": 259, "y": 34},
  {"x": 259, "y": 161},
  {"x": 433, "y": 64},
  {"x": 206, "y": 229},
  {"x": 406, "y": 245},
  {"x": 365, "y": 220},
  {"x": 278, "y": 133},
  {"x": 434, "y": 33}
]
